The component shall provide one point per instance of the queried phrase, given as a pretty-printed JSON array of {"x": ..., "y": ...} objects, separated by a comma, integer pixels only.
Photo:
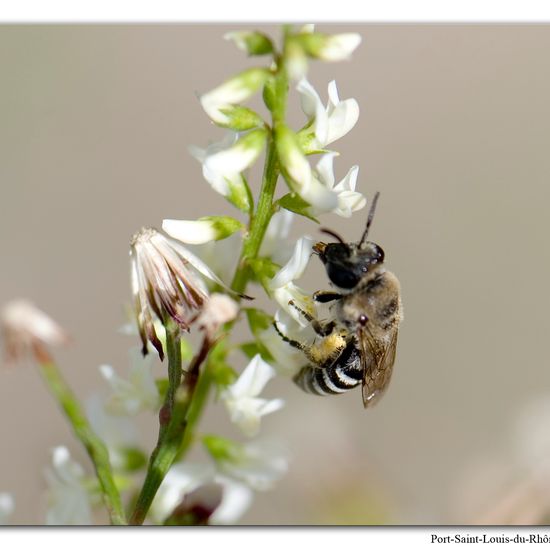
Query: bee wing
[{"x": 377, "y": 362}]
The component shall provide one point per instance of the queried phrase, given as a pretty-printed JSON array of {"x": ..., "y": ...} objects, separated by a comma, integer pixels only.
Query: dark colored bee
[{"x": 358, "y": 345}]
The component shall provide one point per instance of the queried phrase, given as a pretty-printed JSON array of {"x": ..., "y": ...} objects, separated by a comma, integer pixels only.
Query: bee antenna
[
  {"x": 332, "y": 234},
  {"x": 369, "y": 219}
]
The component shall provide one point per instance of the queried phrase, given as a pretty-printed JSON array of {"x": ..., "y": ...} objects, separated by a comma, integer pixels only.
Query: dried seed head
[
  {"x": 166, "y": 283},
  {"x": 26, "y": 329}
]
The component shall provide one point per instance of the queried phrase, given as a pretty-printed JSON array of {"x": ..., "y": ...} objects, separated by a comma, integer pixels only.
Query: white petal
[
  {"x": 237, "y": 498},
  {"x": 348, "y": 202},
  {"x": 190, "y": 231},
  {"x": 276, "y": 233},
  {"x": 319, "y": 196},
  {"x": 296, "y": 265},
  {"x": 342, "y": 119},
  {"x": 309, "y": 98},
  {"x": 231, "y": 161},
  {"x": 340, "y": 46},
  {"x": 313, "y": 108},
  {"x": 290, "y": 292},
  {"x": 325, "y": 169},
  {"x": 181, "y": 479},
  {"x": 350, "y": 180},
  {"x": 333, "y": 98},
  {"x": 253, "y": 379}
]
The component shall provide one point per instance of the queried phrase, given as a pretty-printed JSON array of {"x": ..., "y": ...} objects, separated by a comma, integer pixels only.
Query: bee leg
[
  {"x": 323, "y": 329},
  {"x": 324, "y": 296},
  {"x": 293, "y": 343}
]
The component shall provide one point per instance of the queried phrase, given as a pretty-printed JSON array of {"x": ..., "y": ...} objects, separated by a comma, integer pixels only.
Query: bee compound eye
[{"x": 363, "y": 320}]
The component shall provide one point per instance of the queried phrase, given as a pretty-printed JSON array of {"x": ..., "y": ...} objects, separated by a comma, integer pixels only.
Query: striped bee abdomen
[{"x": 343, "y": 374}]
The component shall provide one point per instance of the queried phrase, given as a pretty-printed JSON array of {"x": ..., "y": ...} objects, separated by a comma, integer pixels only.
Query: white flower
[
  {"x": 180, "y": 480},
  {"x": 337, "y": 47},
  {"x": 259, "y": 463},
  {"x": 165, "y": 281},
  {"x": 184, "y": 478},
  {"x": 275, "y": 244},
  {"x": 118, "y": 433},
  {"x": 330, "y": 123},
  {"x": 224, "y": 162},
  {"x": 349, "y": 200},
  {"x": 283, "y": 288},
  {"x": 7, "y": 505},
  {"x": 27, "y": 329},
  {"x": 236, "y": 500},
  {"x": 233, "y": 91},
  {"x": 68, "y": 500},
  {"x": 241, "y": 397},
  {"x": 298, "y": 172},
  {"x": 139, "y": 392},
  {"x": 203, "y": 230}
]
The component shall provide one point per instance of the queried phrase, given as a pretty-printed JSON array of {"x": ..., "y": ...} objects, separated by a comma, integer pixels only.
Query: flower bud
[
  {"x": 253, "y": 43},
  {"x": 298, "y": 173},
  {"x": 335, "y": 47},
  {"x": 203, "y": 230},
  {"x": 231, "y": 92}
]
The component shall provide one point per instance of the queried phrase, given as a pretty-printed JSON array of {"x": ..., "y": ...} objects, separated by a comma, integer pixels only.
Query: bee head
[{"x": 347, "y": 263}]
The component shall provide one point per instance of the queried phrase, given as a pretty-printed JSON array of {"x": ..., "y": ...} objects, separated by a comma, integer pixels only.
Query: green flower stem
[
  {"x": 260, "y": 220},
  {"x": 94, "y": 445},
  {"x": 196, "y": 408},
  {"x": 173, "y": 423}
]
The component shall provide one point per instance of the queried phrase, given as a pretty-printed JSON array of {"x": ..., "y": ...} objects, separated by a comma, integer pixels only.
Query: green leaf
[
  {"x": 293, "y": 202},
  {"x": 258, "y": 320},
  {"x": 222, "y": 374},
  {"x": 251, "y": 349}
]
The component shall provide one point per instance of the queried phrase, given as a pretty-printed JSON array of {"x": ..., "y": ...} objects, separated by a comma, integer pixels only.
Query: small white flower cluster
[{"x": 238, "y": 468}]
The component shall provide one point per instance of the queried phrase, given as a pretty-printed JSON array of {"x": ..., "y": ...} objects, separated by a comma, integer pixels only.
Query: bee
[{"x": 358, "y": 345}]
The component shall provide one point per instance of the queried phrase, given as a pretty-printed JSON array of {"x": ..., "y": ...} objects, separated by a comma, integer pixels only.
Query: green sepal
[
  {"x": 269, "y": 94},
  {"x": 293, "y": 202},
  {"x": 312, "y": 43},
  {"x": 263, "y": 270},
  {"x": 254, "y": 43},
  {"x": 241, "y": 118},
  {"x": 240, "y": 195},
  {"x": 220, "y": 448},
  {"x": 224, "y": 226}
]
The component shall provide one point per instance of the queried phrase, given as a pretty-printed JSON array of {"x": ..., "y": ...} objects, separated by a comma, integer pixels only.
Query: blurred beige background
[{"x": 454, "y": 132}]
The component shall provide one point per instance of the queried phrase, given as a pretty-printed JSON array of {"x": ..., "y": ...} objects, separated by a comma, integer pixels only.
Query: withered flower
[
  {"x": 166, "y": 282},
  {"x": 26, "y": 329}
]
